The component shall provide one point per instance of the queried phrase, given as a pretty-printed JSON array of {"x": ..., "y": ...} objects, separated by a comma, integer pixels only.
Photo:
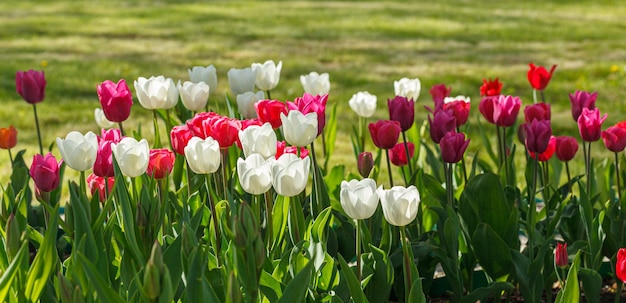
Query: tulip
[
  {"x": 113, "y": 135},
  {"x": 547, "y": 154},
  {"x": 193, "y": 95},
  {"x": 439, "y": 92},
  {"x": 101, "y": 119},
  {"x": 453, "y": 146},
  {"x": 31, "y": 85},
  {"x": 267, "y": 74},
  {"x": 224, "y": 130},
  {"x": 161, "y": 163},
  {"x": 620, "y": 265},
  {"x": 78, "y": 150},
  {"x": 491, "y": 88},
  {"x": 206, "y": 74},
  {"x": 397, "y": 155},
  {"x": 443, "y": 122},
  {"x": 385, "y": 133},
  {"x": 614, "y": 138},
  {"x": 363, "y": 104},
  {"x": 539, "y": 77},
  {"x": 290, "y": 174},
  {"x": 156, "y": 92},
  {"x": 408, "y": 88},
  {"x": 197, "y": 126},
  {"x": 246, "y": 103},
  {"x": 538, "y": 111},
  {"x": 311, "y": 104},
  {"x": 250, "y": 122},
  {"x": 282, "y": 148},
  {"x": 460, "y": 107},
  {"x": 98, "y": 185},
  {"x": 582, "y": 100},
  {"x": 132, "y": 156},
  {"x": 560, "y": 255},
  {"x": 270, "y": 111},
  {"x": 258, "y": 140},
  {"x": 203, "y": 155},
  {"x": 45, "y": 172},
  {"x": 8, "y": 137},
  {"x": 365, "y": 164},
  {"x": 115, "y": 99},
  {"x": 180, "y": 136},
  {"x": 255, "y": 173},
  {"x": 538, "y": 134},
  {"x": 359, "y": 198},
  {"x": 103, "y": 166},
  {"x": 241, "y": 80},
  {"x": 315, "y": 84},
  {"x": 566, "y": 148},
  {"x": 299, "y": 129},
  {"x": 402, "y": 110},
  {"x": 501, "y": 110},
  {"x": 400, "y": 204},
  {"x": 590, "y": 124}
]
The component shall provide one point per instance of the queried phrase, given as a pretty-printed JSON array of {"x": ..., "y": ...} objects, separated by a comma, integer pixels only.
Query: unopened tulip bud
[
  {"x": 560, "y": 255},
  {"x": 12, "y": 237},
  {"x": 66, "y": 289},
  {"x": 365, "y": 164},
  {"x": 151, "y": 280}
]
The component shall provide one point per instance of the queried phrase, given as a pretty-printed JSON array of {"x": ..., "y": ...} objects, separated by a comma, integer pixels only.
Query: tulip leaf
[
  {"x": 297, "y": 227},
  {"x": 296, "y": 290},
  {"x": 10, "y": 272},
  {"x": 280, "y": 214},
  {"x": 104, "y": 290},
  {"x": 270, "y": 287},
  {"x": 592, "y": 284},
  {"x": 492, "y": 252},
  {"x": 318, "y": 229},
  {"x": 45, "y": 261},
  {"x": 379, "y": 287},
  {"x": 479, "y": 294},
  {"x": 571, "y": 292},
  {"x": 330, "y": 133},
  {"x": 353, "y": 284}
]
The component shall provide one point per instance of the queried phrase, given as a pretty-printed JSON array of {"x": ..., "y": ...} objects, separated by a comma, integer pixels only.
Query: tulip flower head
[
  {"x": 267, "y": 74},
  {"x": 299, "y": 129},
  {"x": 397, "y": 155},
  {"x": 193, "y": 95},
  {"x": 203, "y": 155},
  {"x": 442, "y": 122},
  {"x": 270, "y": 111},
  {"x": 539, "y": 77},
  {"x": 161, "y": 163},
  {"x": 8, "y": 137},
  {"x": 315, "y": 84},
  {"x": 255, "y": 173},
  {"x": 290, "y": 174},
  {"x": 590, "y": 124},
  {"x": 45, "y": 172},
  {"x": 385, "y": 133},
  {"x": 566, "y": 148},
  {"x": 580, "y": 100},
  {"x": 439, "y": 92},
  {"x": 180, "y": 136},
  {"x": 113, "y": 135},
  {"x": 491, "y": 88},
  {"x": 548, "y": 153},
  {"x": 197, "y": 125},
  {"x": 408, "y": 88},
  {"x": 402, "y": 110},
  {"x": 206, "y": 74},
  {"x": 500, "y": 110},
  {"x": 103, "y": 166},
  {"x": 311, "y": 104},
  {"x": 538, "y": 111},
  {"x": 97, "y": 185},
  {"x": 156, "y": 92},
  {"x": 363, "y": 104},
  {"x": 614, "y": 138},
  {"x": 224, "y": 130},
  {"x": 115, "y": 99},
  {"x": 258, "y": 140},
  {"x": 453, "y": 146},
  {"x": 241, "y": 80},
  {"x": 132, "y": 156},
  {"x": 620, "y": 265},
  {"x": 365, "y": 164},
  {"x": 538, "y": 134},
  {"x": 31, "y": 85},
  {"x": 460, "y": 107},
  {"x": 78, "y": 150},
  {"x": 246, "y": 103},
  {"x": 101, "y": 119},
  {"x": 400, "y": 204},
  {"x": 560, "y": 255},
  {"x": 282, "y": 148},
  {"x": 359, "y": 198}
]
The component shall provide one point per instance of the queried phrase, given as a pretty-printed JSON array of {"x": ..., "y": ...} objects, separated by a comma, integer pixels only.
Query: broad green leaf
[
  {"x": 45, "y": 261},
  {"x": 592, "y": 284},
  {"x": 270, "y": 287},
  {"x": 296, "y": 290},
  {"x": 353, "y": 284},
  {"x": 330, "y": 133},
  {"x": 417, "y": 293},
  {"x": 103, "y": 289},
  {"x": 9, "y": 274},
  {"x": 379, "y": 287},
  {"x": 280, "y": 214},
  {"x": 493, "y": 254},
  {"x": 479, "y": 294},
  {"x": 318, "y": 229},
  {"x": 296, "y": 223},
  {"x": 328, "y": 276},
  {"x": 571, "y": 292}
]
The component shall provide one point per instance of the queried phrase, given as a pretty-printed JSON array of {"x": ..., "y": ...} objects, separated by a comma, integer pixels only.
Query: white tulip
[
  {"x": 203, "y": 155},
  {"x": 101, "y": 119},
  {"x": 363, "y": 104},
  {"x": 255, "y": 173},
  {"x": 241, "y": 80},
  {"x": 409, "y": 88},
  {"x": 258, "y": 140},
  {"x": 299, "y": 129},
  {"x": 290, "y": 174},
  {"x": 132, "y": 156},
  {"x": 156, "y": 92},
  {"x": 246, "y": 101},
  {"x": 194, "y": 95},
  {"x": 359, "y": 198},
  {"x": 315, "y": 84},
  {"x": 457, "y": 98},
  {"x": 267, "y": 74},
  {"x": 78, "y": 151},
  {"x": 206, "y": 74},
  {"x": 400, "y": 204}
]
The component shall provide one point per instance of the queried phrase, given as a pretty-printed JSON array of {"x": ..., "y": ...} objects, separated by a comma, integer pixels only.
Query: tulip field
[{"x": 318, "y": 152}]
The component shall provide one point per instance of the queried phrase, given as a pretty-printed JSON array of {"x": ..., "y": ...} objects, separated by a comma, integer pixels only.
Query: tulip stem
[
  {"x": 224, "y": 159},
  {"x": 543, "y": 97},
  {"x": 569, "y": 177},
  {"x": 408, "y": 156},
  {"x": 587, "y": 152},
  {"x": 389, "y": 168},
  {"x": 121, "y": 128},
  {"x": 267, "y": 92},
  {"x": 10, "y": 156},
  {"x": 38, "y": 131},
  {"x": 157, "y": 138},
  {"x": 532, "y": 208},
  {"x": 315, "y": 209},
  {"x": 618, "y": 293},
  {"x": 617, "y": 180},
  {"x": 358, "y": 250},
  {"x": 449, "y": 188},
  {"x": 406, "y": 245},
  {"x": 218, "y": 239},
  {"x": 268, "y": 214}
]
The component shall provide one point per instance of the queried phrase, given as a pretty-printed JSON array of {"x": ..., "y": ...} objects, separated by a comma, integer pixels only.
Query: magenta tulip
[
  {"x": 566, "y": 148},
  {"x": 31, "y": 85},
  {"x": 116, "y": 100},
  {"x": 453, "y": 146},
  {"x": 581, "y": 100},
  {"x": 385, "y": 133},
  {"x": 590, "y": 124},
  {"x": 365, "y": 164},
  {"x": 538, "y": 135},
  {"x": 614, "y": 138},
  {"x": 311, "y": 104},
  {"x": 539, "y": 111},
  {"x": 443, "y": 121},
  {"x": 402, "y": 109},
  {"x": 45, "y": 172}
]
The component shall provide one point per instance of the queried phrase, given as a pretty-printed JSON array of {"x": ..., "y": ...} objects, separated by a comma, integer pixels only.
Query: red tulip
[
  {"x": 443, "y": 122},
  {"x": 311, "y": 104},
  {"x": 196, "y": 124},
  {"x": 453, "y": 146},
  {"x": 460, "y": 108},
  {"x": 45, "y": 172},
  {"x": 116, "y": 100},
  {"x": 560, "y": 255},
  {"x": 439, "y": 92},
  {"x": 620, "y": 265},
  {"x": 282, "y": 148},
  {"x": 31, "y": 85},
  {"x": 180, "y": 136},
  {"x": 566, "y": 148},
  {"x": 224, "y": 130},
  {"x": 103, "y": 167},
  {"x": 538, "y": 111},
  {"x": 547, "y": 154},
  {"x": 538, "y": 134},
  {"x": 397, "y": 155},
  {"x": 8, "y": 137},
  {"x": 385, "y": 133},
  {"x": 113, "y": 135},
  {"x": 581, "y": 100},
  {"x": 491, "y": 88},
  {"x": 614, "y": 138},
  {"x": 365, "y": 164},
  {"x": 161, "y": 163},
  {"x": 269, "y": 111},
  {"x": 98, "y": 185},
  {"x": 402, "y": 110},
  {"x": 539, "y": 77},
  {"x": 590, "y": 124}
]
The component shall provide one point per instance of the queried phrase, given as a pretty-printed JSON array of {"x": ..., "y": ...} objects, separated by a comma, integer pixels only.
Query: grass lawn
[{"x": 364, "y": 46}]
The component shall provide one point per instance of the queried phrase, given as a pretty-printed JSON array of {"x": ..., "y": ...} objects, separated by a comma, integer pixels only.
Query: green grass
[{"x": 362, "y": 45}]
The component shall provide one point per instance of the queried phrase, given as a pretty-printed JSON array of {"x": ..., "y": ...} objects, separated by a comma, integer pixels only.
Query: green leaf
[
  {"x": 417, "y": 293},
  {"x": 592, "y": 284},
  {"x": 318, "y": 229},
  {"x": 45, "y": 261},
  {"x": 330, "y": 131},
  {"x": 9, "y": 274},
  {"x": 280, "y": 214},
  {"x": 104, "y": 289},
  {"x": 493, "y": 254},
  {"x": 296, "y": 289},
  {"x": 571, "y": 292},
  {"x": 479, "y": 294},
  {"x": 379, "y": 287},
  {"x": 270, "y": 287},
  {"x": 353, "y": 284}
]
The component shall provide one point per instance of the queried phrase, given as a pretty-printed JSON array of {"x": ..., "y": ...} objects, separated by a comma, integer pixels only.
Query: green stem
[
  {"x": 267, "y": 92},
  {"x": 617, "y": 179},
  {"x": 588, "y": 167},
  {"x": 121, "y": 128},
  {"x": 504, "y": 157},
  {"x": 361, "y": 134},
  {"x": 408, "y": 156},
  {"x": 315, "y": 208},
  {"x": 543, "y": 97},
  {"x": 618, "y": 293},
  {"x": 38, "y": 131},
  {"x": 157, "y": 138},
  {"x": 569, "y": 177},
  {"x": 447, "y": 169},
  {"x": 225, "y": 176},
  {"x": 406, "y": 182},
  {"x": 406, "y": 261},
  {"x": 463, "y": 163},
  {"x": 389, "y": 169},
  {"x": 268, "y": 214},
  {"x": 532, "y": 208},
  {"x": 10, "y": 156},
  {"x": 218, "y": 239},
  {"x": 296, "y": 228},
  {"x": 358, "y": 250}
]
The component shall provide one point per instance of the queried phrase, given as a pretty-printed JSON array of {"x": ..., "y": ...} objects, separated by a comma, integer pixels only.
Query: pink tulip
[
  {"x": 566, "y": 148},
  {"x": 161, "y": 163},
  {"x": 311, "y": 104},
  {"x": 180, "y": 136},
  {"x": 98, "y": 185},
  {"x": 103, "y": 167},
  {"x": 116, "y": 100},
  {"x": 31, "y": 85},
  {"x": 614, "y": 138},
  {"x": 45, "y": 172},
  {"x": 443, "y": 122},
  {"x": 385, "y": 133},
  {"x": 453, "y": 146},
  {"x": 539, "y": 111},
  {"x": 365, "y": 164},
  {"x": 581, "y": 100},
  {"x": 590, "y": 124}
]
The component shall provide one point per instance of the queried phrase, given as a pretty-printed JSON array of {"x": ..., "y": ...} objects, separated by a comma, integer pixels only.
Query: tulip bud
[
  {"x": 132, "y": 156},
  {"x": 101, "y": 119},
  {"x": 580, "y": 100},
  {"x": 539, "y": 111},
  {"x": 439, "y": 92},
  {"x": 31, "y": 85},
  {"x": 156, "y": 92},
  {"x": 385, "y": 133},
  {"x": 290, "y": 174},
  {"x": 8, "y": 137},
  {"x": 547, "y": 154},
  {"x": 152, "y": 276},
  {"x": 398, "y": 156},
  {"x": 560, "y": 255},
  {"x": 161, "y": 163},
  {"x": 269, "y": 111},
  {"x": 400, "y": 204},
  {"x": 12, "y": 242},
  {"x": 115, "y": 99},
  {"x": 453, "y": 146},
  {"x": 620, "y": 265},
  {"x": 460, "y": 107},
  {"x": 614, "y": 138},
  {"x": 207, "y": 75},
  {"x": 363, "y": 104},
  {"x": 566, "y": 148},
  {"x": 246, "y": 103},
  {"x": 45, "y": 172},
  {"x": 315, "y": 84},
  {"x": 66, "y": 289},
  {"x": 258, "y": 140},
  {"x": 193, "y": 95},
  {"x": 78, "y": 151},
  {"x": 402, "y": 110},
  {"x": 311, "y": 104},
  {"x": 539, "y": 77},
  {"x": 254, "y": 174},
  {"x": 203, "y": 156},
  {"x": 443, "y": 122},
  {"x": 180, "y": 136},
  {"x": 538, "y": 135},
  {"x": 365, "y": 164}
]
